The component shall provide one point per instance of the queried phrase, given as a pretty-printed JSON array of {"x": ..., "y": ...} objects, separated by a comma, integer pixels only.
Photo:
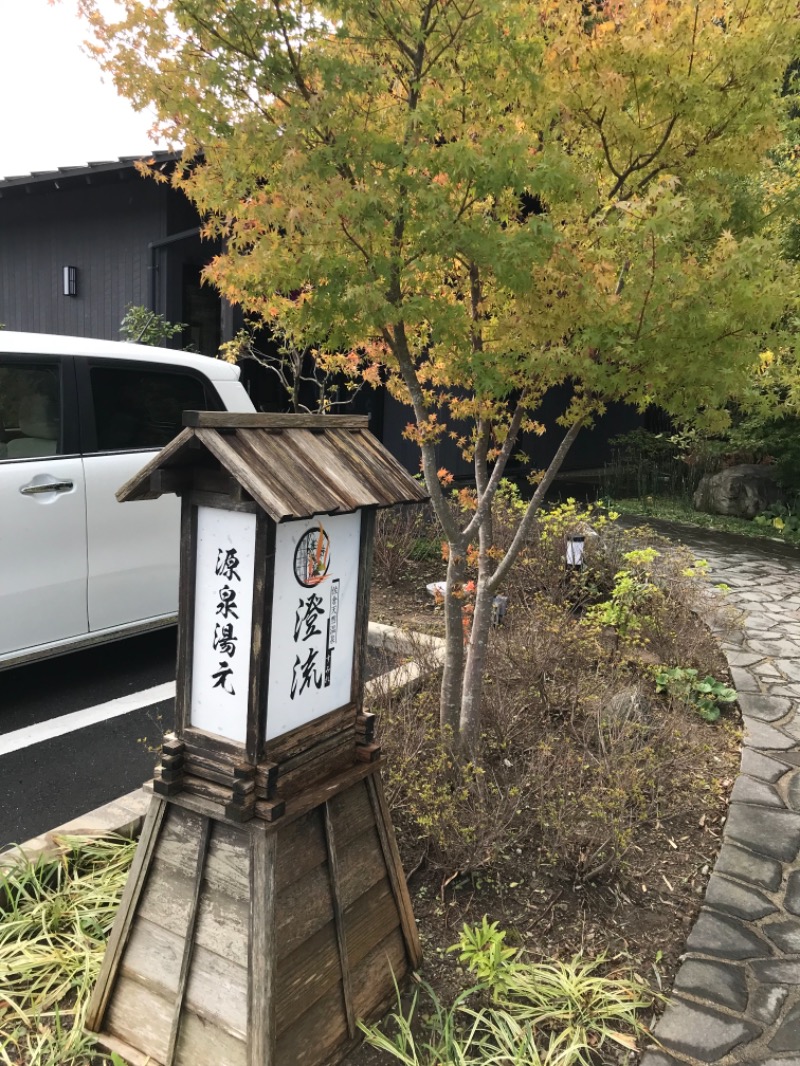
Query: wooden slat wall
[
  {"x": 261, "y": 992},
  {"x": 103, "y": 231},
  {"x": 309, "y": 971},
  {"x": 188, "y": 942},
  {"x": 142, "y": 1008},
  {"x": 394, "y": 867},
  {"x": 320, "y": 1030},
  {"x": 142, "y": 1019},
  {"x": 222, "y": 921},
  {"x": 153, "y": 959},
  {"x": 330, "y": 918},
  {"x": 339, "y": 919},
  {"x": 137, "y": 879}
]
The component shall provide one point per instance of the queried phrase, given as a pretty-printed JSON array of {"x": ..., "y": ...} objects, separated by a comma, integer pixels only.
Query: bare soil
[{"x": 639, "y": 918}]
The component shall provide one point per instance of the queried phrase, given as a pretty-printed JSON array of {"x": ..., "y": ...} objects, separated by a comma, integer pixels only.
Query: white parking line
[{"x": 68, "y": 723}]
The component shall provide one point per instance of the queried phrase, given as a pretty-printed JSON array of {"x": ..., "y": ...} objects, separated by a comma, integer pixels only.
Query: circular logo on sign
[{"x": 312, "y": 557}]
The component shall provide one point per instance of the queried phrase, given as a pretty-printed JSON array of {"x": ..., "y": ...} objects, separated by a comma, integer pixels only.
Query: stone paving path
[{"x": 736, "y": 997}]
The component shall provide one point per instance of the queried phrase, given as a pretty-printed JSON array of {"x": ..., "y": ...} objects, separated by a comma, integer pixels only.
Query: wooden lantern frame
[
  {"x": 256, "y": 745},
  {"x": 230, "y": 820},
  {"x": 219, "y": 461}
]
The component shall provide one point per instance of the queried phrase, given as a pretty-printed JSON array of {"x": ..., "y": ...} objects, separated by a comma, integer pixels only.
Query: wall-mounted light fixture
[{"x": 70, "y": 286}]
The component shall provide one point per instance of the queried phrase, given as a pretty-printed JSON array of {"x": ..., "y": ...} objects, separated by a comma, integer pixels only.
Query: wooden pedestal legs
[{"x": 255, "y": 944}]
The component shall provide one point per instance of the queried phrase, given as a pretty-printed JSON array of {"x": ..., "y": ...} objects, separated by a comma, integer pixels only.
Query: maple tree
[{"x": 479, "y": 200}]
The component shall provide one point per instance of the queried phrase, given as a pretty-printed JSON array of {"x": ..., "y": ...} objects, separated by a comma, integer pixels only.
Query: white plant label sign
[
  {"x": 313, "y": 619},
  {"x": 223, "y": 622}
]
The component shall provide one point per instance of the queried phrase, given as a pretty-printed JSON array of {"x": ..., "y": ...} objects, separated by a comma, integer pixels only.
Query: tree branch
[
  {"x": 646, "y": 299},
  {"x": 398, "y": 343},
  {"x": 694, "y": 37},
  {"x": 485, "y": 502},
  {"x": 356, "y": 244},
  {"x": 525, "y": 526}
]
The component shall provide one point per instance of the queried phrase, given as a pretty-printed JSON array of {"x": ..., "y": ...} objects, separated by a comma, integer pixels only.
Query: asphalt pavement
[{"x": 47, "y": 780}]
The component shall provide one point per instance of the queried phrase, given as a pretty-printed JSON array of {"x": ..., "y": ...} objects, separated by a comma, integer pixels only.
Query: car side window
[
  {"x": 135, "y": 408},
  {"x": 30, "y": 410}
]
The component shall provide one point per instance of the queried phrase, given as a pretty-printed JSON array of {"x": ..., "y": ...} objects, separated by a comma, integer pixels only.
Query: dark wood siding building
[
  {"x": 130, "y": 241},
  {"x": 134, "y": 241}
]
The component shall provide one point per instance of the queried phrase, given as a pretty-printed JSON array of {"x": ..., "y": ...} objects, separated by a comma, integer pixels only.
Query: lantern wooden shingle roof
[{"x": 293, "y": 466}]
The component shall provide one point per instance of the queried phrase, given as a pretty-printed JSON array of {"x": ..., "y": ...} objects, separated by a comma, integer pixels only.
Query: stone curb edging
[
  {"x": 430, "y": 651},
  {"x": 736, "y": 996},
  {"x": 124, "y": 816},
  {"x": 121, "y": 817}
]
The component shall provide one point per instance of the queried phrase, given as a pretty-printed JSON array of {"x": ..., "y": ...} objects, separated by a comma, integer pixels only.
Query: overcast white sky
[{"x": 56, "y": 109}]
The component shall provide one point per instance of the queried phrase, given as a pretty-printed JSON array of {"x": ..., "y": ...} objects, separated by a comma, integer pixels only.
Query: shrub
[
  {"x": 402, "y": 534},
  {"x": 463, "y": 815},
  {"x": 542, "y": 570},
  {"x": 632, "y": 595},
  {"x": 577, "y": 747},
  {"x": 143, "y": 326}
]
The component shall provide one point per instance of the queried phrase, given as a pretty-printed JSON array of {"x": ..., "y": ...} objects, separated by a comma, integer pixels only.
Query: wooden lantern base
[{"x": 257, "y": 944}]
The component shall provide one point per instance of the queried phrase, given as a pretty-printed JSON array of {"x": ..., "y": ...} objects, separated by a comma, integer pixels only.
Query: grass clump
[
  {"x": 770, "y": 525},
  {"x": 55, "y": 917},
  {"x": 519, "y": 1012}
]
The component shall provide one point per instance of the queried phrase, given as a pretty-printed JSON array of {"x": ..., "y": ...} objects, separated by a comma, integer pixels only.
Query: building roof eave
[{"x": 66, "y": 177}]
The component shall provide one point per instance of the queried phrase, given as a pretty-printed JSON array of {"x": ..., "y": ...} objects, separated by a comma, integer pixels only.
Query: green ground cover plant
[
  {"x": 518, "y": 1012},
  {"x": 55, "y": 916},
  {"x": 678, "y": 510},
  {"x": 704, "y": 694},
  {"x": 783, "y": 519}
]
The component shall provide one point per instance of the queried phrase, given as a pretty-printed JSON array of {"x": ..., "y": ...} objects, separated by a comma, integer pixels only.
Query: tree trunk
[
  {"x": 462, "y": 683},
  {"x": 453, "y": 671},
  {"x": 478, "y": 645},
  {"x": 474, "y": 671}
]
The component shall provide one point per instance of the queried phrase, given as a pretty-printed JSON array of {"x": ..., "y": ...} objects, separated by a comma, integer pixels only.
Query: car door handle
[{"x": 50, "y": 486}]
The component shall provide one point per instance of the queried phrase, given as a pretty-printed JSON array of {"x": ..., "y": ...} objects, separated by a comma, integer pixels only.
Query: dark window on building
[
  {"x": 201, "y": 313},
  {"x": 30, "y": 411},
  {"x": 136, "y": 409}
]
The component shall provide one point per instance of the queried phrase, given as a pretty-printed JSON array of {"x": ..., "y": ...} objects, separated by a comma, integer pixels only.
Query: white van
[{"x": 77, "y": 419}]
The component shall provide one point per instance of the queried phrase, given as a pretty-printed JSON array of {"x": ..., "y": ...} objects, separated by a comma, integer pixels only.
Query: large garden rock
[
  {"x": 741, "y": 491},
  {"x": 630, "y": 705}
]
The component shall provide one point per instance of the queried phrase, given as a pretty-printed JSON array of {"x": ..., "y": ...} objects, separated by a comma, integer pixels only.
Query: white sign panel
[
  {"x": 313, "y": 619},
  {"x": 223, "y": 617}
]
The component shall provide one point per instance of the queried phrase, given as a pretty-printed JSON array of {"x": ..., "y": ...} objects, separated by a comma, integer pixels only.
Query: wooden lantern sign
[{"x": 266, "y": 910}]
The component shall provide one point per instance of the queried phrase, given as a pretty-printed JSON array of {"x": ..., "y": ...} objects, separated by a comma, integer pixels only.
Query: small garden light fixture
[
  {"x": 575, "y": 546},
  {"x": 499, "y": 606}
]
